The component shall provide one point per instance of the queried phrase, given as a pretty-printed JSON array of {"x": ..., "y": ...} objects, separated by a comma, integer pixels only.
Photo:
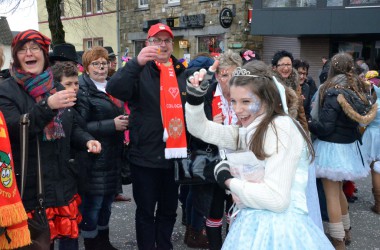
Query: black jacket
[
  {"x": 140, "y": 86},
  {"x": 306, "y": 93},
  {"x": 58, "y": 171},
  {"x": 334, "y": 125},
  {"x": 99, "y": 111}
]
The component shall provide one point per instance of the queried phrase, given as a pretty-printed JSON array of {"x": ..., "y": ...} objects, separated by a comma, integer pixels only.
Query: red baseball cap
[{"x": 154, "y": 29}]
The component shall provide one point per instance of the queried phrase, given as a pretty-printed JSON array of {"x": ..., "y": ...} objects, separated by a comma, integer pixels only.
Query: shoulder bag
[
  {"x": 198, "y": 167},
  {"x": 38, "y": 225}
]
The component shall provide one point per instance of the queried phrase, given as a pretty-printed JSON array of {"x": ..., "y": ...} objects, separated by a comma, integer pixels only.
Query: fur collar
[
  {"x": 292, "y": 81},
  {"x": 353, "y": 114}
]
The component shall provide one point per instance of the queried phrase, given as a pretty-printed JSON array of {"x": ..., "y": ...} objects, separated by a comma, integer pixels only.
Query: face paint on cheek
[
  {"x": 255, "y": 106},
  {"x": 95, "y": 73}
]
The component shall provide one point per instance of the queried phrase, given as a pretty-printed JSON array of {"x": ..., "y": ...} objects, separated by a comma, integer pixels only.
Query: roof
[{"x": 5, "y": 32}]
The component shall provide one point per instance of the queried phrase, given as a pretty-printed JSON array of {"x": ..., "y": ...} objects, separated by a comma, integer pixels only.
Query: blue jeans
[
  {"x": 68, "y": 244},
  {"x": 156, "y": 196},
  {"x": 96, "y": 214}
]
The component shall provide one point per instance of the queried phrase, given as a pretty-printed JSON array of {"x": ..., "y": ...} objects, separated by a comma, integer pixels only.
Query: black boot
[
  {"x": 90, "y": 243},
  {"x": 214, "y": 235},
  {"x": 103, "y": 240}
]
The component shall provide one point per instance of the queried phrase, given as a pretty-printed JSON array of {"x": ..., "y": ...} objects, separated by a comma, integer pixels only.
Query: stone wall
[{"x": 132, "y": 19}]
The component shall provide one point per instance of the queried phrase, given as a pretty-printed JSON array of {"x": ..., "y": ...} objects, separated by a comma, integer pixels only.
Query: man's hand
[{"x": 147, "y": 54}]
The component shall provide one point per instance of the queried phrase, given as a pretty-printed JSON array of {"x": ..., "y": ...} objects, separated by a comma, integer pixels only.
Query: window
[
  {"x": 143, "y": 3},
  {"x": 99, "y": 6},
  {"x": 139, "y": 45},
  {"x": 364, "y": 2},
  {"x": 211, "y": 44},
  {"x": 98, "y": 42},
  {"x": 290, "y": 3},
  {"x": 334, "y": 3},
  {"x": 88, "y": 6},
  {"x": 88, "y": 43},
  {"x": 62, "y": 8}
]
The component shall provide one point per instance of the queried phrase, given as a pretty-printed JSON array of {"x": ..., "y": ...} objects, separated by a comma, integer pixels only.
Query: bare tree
[
  {"x": 55, "y": 22},
  {"x": 54, "y": 16}
]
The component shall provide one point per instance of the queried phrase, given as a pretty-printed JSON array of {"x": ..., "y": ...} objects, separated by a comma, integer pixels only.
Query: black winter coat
[
  {"x": 140, "y": 86},
  {"x": 58, "y": 171},
  {"x": 99, "y": 111},
  {"x": 334, "y": 125}
]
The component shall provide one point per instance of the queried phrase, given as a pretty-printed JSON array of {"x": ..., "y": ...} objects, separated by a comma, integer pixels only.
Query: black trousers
[{"x": 154, "y": 188}]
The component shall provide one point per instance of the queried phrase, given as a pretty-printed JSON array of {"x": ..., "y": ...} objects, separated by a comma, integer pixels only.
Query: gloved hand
[
  {"x": 202, "y": 76},
  {"x": 198, "y": 83},
  {"x": 222, "y": 173}
]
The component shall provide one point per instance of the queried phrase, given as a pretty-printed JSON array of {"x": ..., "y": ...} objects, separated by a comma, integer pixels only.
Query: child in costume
[
  {"x": 371, "y": 143},
  {"x": 274, "y": 215}
]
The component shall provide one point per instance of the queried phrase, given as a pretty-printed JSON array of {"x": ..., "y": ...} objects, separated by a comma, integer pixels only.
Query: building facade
[
  {"x": 198, "y": 25},
  {"x": 86, "y": 23},
  {"x": 311, "y": 29},
  {"x": 6, "y": 41}
]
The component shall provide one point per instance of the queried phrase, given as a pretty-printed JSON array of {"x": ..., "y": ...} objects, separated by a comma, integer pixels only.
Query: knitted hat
[{"x": 34, "y": 35}]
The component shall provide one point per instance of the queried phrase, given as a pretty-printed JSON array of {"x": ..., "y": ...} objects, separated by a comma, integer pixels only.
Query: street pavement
[{"x": 365, "y": 224}]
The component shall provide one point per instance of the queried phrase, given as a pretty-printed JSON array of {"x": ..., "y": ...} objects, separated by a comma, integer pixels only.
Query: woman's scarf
[
  {"x": 12, "y": 213},
  {"x": 39, "y": 87},
  {"x": 172, "y": 113}
]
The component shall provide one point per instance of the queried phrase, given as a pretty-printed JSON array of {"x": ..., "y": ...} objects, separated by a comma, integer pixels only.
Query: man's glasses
[
  {"x": 99, "y": 64},
  {"x": 158, "y": 41},
  {"x": 284, "y": 65},
  {"x": 33, "y": 50}
]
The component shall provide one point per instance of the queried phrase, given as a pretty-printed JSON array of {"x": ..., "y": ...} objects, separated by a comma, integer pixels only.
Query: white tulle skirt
[{"x": 338, "y": 161}]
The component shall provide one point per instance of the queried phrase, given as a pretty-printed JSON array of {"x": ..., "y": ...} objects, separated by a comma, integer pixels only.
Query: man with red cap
[{"x": 149, "y": 84}]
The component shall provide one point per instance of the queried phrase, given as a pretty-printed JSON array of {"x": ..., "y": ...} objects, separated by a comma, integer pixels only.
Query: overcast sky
[{"x": 25, "y": 16}]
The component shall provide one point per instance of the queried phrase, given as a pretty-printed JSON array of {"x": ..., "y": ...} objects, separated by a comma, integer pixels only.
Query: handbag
[
  {"x": 38, "y": 225},
  {"x": 198, "y": 167}
]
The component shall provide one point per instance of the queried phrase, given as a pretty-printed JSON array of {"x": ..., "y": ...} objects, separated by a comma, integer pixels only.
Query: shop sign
[
  {"x": 225, "y": 17},
  {"x": 192, "y": 21}
]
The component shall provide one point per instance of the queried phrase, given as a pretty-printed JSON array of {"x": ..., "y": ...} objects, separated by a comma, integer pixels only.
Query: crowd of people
[{"x": 287, "y": 146}]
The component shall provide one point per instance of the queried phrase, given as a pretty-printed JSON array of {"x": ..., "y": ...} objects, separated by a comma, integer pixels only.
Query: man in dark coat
[{"x": 146, "y": 81}]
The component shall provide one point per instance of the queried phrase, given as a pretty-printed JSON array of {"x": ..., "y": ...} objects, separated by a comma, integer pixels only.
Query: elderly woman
[
  {"x": 105, "y": 120},
  {"x": 31, "y": 89}
]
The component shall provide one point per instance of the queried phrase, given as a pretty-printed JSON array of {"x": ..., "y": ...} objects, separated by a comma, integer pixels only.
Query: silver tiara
[{"x": 242, "y": 72}]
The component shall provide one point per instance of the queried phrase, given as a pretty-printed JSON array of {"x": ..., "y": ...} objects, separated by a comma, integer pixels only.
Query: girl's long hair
[
  {"x": 264, "y": 87},
  {"x": 342, "y": 74}
]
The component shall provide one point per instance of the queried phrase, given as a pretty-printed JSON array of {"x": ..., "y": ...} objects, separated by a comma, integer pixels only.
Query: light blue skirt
[
  {"x": 312, "y": 199},
  {"x": 371, "y": 144},
  {"x": 262, "y": 229},
  {"x": 338, "y": 161}
]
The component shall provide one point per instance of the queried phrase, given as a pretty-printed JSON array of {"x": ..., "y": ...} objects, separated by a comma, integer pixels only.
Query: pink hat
[{"x": 154, "y": 29}]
